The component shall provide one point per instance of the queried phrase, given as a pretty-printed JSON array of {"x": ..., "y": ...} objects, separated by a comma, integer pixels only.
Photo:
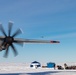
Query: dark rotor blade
[
  {"x": 6, "y": 53},
  {"x": 16, "y": 33},
  {"x": 2, "y": 30},
  {"x": 14, "y": 50},
  {"x": 10, "y": 28},
  {"x": 2, "y": 43}
]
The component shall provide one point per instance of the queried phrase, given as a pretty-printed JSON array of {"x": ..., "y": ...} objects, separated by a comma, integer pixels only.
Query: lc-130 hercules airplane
[{"x": 7, "y": 41}]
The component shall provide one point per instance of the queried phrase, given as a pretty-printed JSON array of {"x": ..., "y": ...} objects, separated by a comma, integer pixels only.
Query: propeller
[{"x": 8, "y": 40}]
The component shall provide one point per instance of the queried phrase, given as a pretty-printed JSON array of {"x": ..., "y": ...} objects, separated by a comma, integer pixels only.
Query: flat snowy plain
[{"x": 22, "y": 69}]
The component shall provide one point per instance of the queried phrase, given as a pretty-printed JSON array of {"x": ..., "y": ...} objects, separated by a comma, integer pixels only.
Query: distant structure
[
  {"x": 51, "y": 65},
  {"x": 35, "y": 65}
]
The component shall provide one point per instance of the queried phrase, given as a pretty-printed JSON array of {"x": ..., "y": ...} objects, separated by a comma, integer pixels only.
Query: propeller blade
[
  {"x": 17, "y": 32},
  {"x": 6, "y": 53},
  {"x": 10, "y": 28},
  {"x": 2, "y": 30},
  {"x": 14, "y": 50},
  {"x": 2, "y": 43}
]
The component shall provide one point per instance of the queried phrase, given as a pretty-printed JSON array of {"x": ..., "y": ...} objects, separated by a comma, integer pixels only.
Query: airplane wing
[
  {"x": 19, "y": 40},
  {"x": 34, "y": 41}
]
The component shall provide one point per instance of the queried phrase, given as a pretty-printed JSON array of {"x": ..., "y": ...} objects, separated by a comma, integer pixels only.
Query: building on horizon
[{"x": 35, "y": 64}]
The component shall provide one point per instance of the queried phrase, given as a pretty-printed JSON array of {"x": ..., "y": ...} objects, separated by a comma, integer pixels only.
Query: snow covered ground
[{"x": 22, "y": 69}]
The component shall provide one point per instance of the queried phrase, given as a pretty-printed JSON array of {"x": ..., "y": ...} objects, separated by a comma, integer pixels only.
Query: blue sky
[{"x": 53, "y": 19}]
